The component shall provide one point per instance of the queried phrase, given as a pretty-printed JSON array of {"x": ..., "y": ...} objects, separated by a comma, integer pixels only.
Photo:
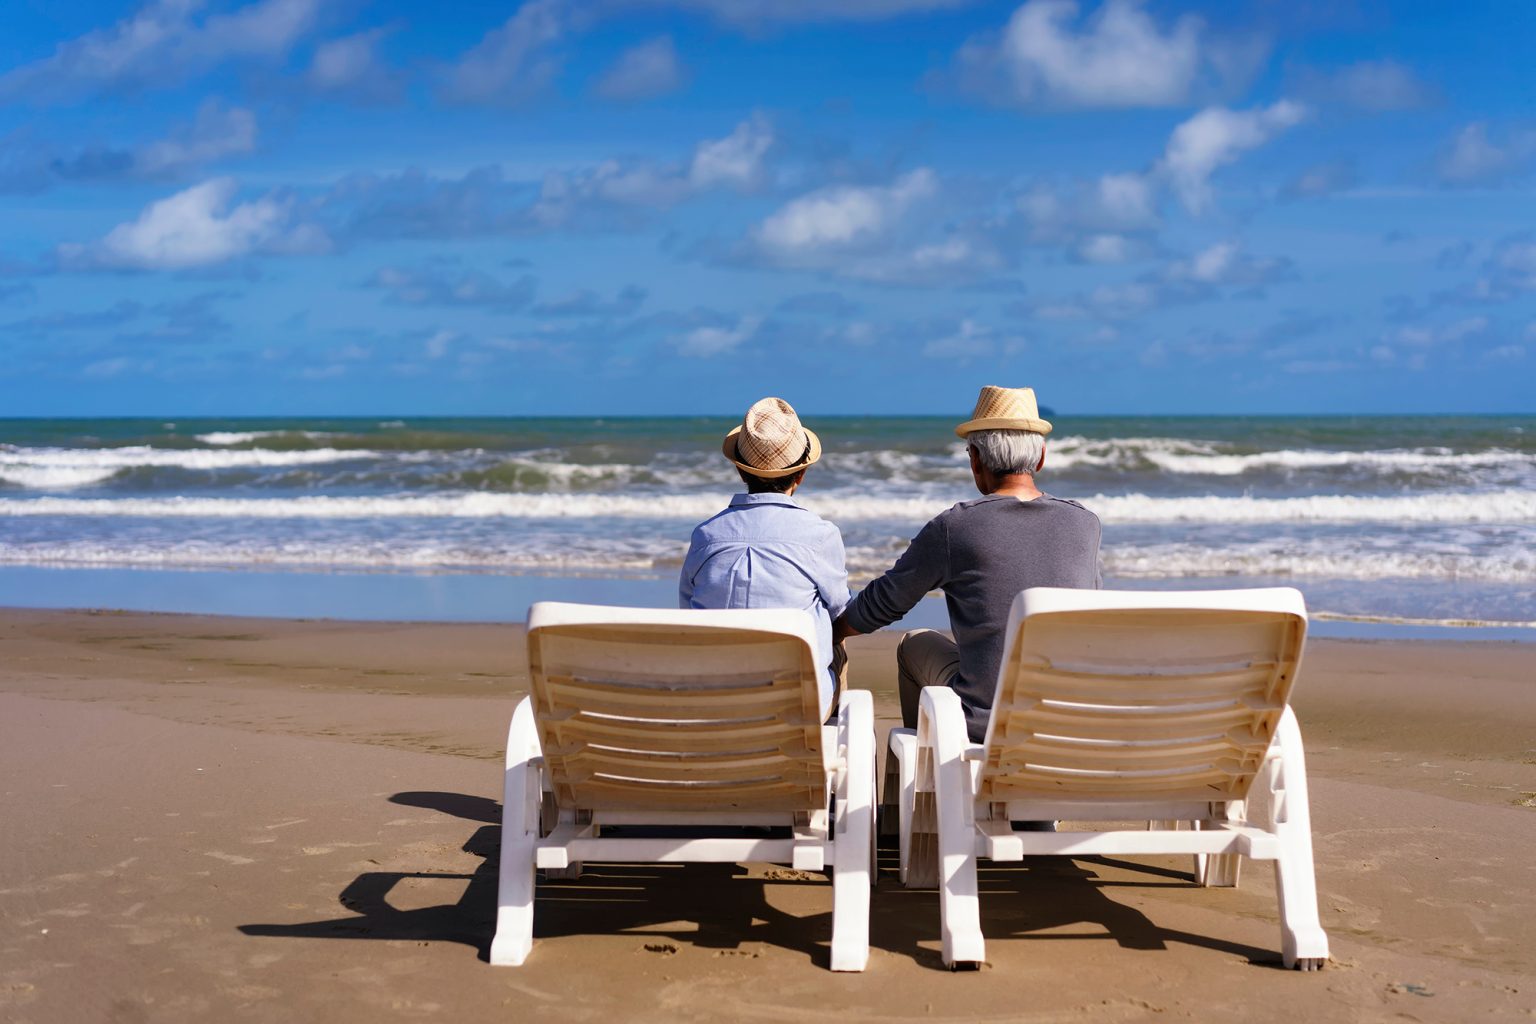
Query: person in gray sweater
[{"x": 981, "y": 553}]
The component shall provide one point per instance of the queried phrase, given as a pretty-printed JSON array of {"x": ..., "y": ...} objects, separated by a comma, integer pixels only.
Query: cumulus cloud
[
  {"x": 1110, "y": 203},
  {"x": 198, "y": 227},
  {"x": 1428, "y": 336},
  {"x": 613, "y": 195},
  {"x": 1116, "y": 57},
  {"x": 588, "y": 303},
  {"x": 163, "y": 43},
  {"x": 1225, "y": 264},
  {"x": 1474, "y": 158},
  {"x": 736, "y": 160},
  {"x": 970, "y": 341},
  {"x": 1217, "y": 136},
  {"x": 844, "y": 215},
  {"x": 1106, "y": 248},
  {"x": 351, "y": 66},
  {"x": 513, "y": 61},
  {"x": 1220, "y": 270},
  {"x": 756, "y": 12},
  {"x": 705, "y": 342},
  {"x": 429, "y": 287},
  {"x": 1508, "y": 272},
  {"x": 643, "y": 72},
  {"x": 216, "y": 133},
  {"x": 1373, "y": 85}
]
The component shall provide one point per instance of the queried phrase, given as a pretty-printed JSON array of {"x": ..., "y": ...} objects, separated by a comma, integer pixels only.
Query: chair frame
[
  {"x": 950, "y": 800},
  {"x": 558, "y": 799}
]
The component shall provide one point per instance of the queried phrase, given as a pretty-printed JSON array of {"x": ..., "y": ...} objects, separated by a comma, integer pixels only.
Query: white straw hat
[
  {"x": 770, "y": 442},
  {"x": 1005, "y": 409}
]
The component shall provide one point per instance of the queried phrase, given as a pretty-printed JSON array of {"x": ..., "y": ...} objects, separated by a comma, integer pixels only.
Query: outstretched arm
[{"x": 919, "y": 569}]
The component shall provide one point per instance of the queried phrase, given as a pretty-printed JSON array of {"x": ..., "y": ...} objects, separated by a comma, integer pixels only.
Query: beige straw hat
[
  {"x": 770, "y": 442},
  {"x": 1005, "y": 409}
]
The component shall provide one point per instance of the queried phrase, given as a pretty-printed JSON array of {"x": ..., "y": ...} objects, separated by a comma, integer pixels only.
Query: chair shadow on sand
[{"x": 721, "y": 907}]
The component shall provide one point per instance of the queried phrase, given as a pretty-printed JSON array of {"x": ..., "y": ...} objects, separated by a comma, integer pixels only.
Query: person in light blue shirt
[{"x": 766, "y": 550}]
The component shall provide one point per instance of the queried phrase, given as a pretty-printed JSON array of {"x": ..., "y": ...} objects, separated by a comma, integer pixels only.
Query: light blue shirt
[{"x": 769, "y": 551}]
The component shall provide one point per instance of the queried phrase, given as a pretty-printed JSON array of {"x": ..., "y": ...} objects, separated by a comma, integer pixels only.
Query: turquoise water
[{"x": 1431, "y": 520}]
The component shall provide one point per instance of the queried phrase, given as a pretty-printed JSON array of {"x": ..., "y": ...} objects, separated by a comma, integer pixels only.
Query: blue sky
[{"x": 676, "y": 206}]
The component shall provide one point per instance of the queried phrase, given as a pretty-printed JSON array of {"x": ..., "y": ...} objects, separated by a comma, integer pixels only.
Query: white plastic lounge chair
[
  {"x": 1115, "y": 706},
  {"x": 705, "y": 719}
]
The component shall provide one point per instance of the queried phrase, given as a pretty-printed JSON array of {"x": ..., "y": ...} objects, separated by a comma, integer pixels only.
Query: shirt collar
[{"x": 766, "y": 498}]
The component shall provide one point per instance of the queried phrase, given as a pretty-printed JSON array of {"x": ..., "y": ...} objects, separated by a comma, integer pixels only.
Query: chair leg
[
  {"x": 1222, "y": 870},
  {"x": 1304, "y": 944},
  {"x": 941, "y": 730},
  {"x": 519, "y": 834},
  {"x": 915, "y": 821},
  {"x": 853, "y": 833}
]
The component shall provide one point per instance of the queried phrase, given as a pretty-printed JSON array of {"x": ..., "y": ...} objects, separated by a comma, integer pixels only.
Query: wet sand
[{"x": 247, "y": 819}]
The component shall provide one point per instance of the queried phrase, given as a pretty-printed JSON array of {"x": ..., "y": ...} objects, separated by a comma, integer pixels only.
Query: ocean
[{"x": 1428, "y": 521}]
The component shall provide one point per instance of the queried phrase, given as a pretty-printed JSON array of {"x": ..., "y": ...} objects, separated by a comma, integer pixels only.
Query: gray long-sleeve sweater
[{"x": 981, "y": 553}]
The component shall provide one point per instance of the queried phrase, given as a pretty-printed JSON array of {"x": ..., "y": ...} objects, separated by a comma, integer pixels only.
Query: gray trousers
[{"x": 925, "y": 657}]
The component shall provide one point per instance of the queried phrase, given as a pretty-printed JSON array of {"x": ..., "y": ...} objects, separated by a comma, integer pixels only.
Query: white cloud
[
  {"x": 970, "y": 341},
  {"x": 437, "y": 345},
  {"x": 1104, "y": 249},
  {"x": 643, "y": 72},
  {"x": 1217, "y": 136},
  {"x": 1473, "y": 158},
  {"x": 735, "y": 160},
  {"x": 751, "y": 12},
  {"x": 1075, "y": 214},
  {"x": 1376, "y": 85},
  {"x": 162, "y": 43},
  {"x": 217, "y": 132},
  {"x": 617, "y": 189},
  {"x": 842, "y": 215},
  {"x": 195, "y": 228},
  {"x": 352, "y": 64},
  {"x": 1118, "y": 56},
  {"x": 1504, "y": 354},
  {"x": 1444, "y": 334},
  {"x": 1119, "y": 59},
  {"x": 704, "y": 342},
  {"x": 1126, "y": 200},
  {"x": 513, "y": 61}
]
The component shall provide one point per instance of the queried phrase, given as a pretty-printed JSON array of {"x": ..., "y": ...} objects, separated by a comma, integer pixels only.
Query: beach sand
[{"x": 240, "y": 819}]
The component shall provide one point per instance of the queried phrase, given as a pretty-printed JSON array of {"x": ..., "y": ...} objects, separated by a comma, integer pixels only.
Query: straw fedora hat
[
  {"x": 1005, "y": 409},
  {"x": 770, "y": 442}
]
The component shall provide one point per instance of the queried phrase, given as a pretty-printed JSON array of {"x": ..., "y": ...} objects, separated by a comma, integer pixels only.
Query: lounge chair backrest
[
  {"x": 1116, "y": 697},
  {"x": 678, "y": 710}
]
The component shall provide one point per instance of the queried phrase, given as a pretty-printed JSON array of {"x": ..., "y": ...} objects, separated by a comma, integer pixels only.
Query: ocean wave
[
  {"x": 1207, "y": 458},
  {"x": 1511, "y": 506},
  {"x": 42, "y": 468},
  {"x": 1320, "y": 560},
  {"x": 1317, "y": 560},
  {"x": 224, "y": 438}
]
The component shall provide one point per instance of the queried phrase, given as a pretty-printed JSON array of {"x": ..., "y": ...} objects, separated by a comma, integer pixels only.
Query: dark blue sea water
[{"x": 1399, "y": 519}]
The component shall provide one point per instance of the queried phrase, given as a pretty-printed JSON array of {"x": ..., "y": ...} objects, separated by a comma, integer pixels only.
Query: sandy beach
[{"x": 249, "y": 819}]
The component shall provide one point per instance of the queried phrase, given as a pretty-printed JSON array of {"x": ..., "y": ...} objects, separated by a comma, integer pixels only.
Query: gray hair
[{"x": 1006, "y": 452}]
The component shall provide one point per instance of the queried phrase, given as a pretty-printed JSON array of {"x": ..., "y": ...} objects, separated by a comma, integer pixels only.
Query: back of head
[
  {"x": 771, "y": 448},
  {"x": 1008, "y": 452},
  {"x": 1005, "y": 430}
]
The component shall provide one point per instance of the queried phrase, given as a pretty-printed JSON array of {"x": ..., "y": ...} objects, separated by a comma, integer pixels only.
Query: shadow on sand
[{"x": 721, "y": 906}]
